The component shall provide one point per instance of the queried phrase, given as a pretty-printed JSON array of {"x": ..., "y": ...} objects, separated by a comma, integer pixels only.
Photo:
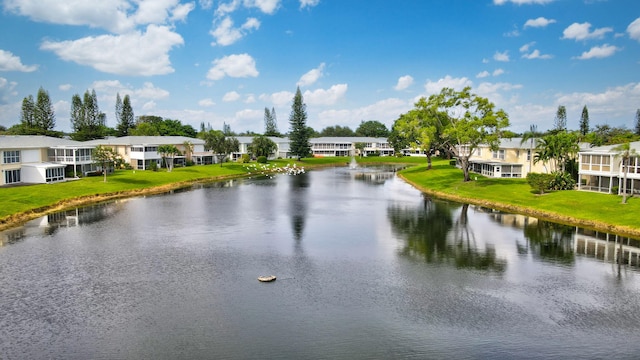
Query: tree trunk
[
  {"x": 464, "y": 163},
  {"x": 428, "y": 161}
]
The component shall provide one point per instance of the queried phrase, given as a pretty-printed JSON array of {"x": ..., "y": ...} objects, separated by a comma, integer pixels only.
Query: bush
[
  {"x": 562, "y": 181},
  {"x": 244, "y": 159},
  {"x": 262, "y": 159},
  {"x": 153, "y": 166},
  {"x": 540, "y": 182},
  {"x": 615, "y": 189}
]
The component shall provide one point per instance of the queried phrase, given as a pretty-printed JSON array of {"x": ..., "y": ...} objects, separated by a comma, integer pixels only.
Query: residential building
[
  {"x": 512, "y": 159},
  {"x": 601, "y": 169},
  {"x": 32, "y": 159},
  {"x": 282, "y": 147},
  {"x": 141, "y": 151},
  {"x": 350, "y": 146}
]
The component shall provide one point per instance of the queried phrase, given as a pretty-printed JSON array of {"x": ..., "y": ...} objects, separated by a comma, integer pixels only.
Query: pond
[{"x": 366, "y": 265}]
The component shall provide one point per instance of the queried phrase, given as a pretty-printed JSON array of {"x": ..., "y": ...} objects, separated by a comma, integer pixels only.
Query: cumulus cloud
[
  {"x": 325, "y": 97},
  {"x": 225, "y": 34},
  {"x": 582, "y": 31},
  {"x": 501, "y": 56},
  {"x": 434, "y": 87},
  {"x": 231, "y": 96},
  {"x": 384, "y": 109},
  {"x": 483, "y": 74},
  {"x": 535, "y": 54},
  {"x": 599, "y": 52},
  {"x": 135, "y": 53},
  {"x": 237, "y": 66},
  {"x": 7, "y": 89},
  {"x": 404, "y": 82},
  {"x": 280, "y": 98},
  {"x": 10, "y": 62},
  {"x": 117, "y": 16},
  {"x": 65, "y": 87},
  {"x": 311, "y": 76},
  {"x": 538, "y": 22},
  {"x": 266, "y": 6},
  {"x": 634, "y": 29}
]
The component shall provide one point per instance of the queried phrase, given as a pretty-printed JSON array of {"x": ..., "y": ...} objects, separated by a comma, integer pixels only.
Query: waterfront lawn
[{"x": 516, "y": 193}]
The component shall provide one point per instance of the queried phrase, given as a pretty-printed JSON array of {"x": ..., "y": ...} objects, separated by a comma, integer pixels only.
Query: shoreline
[
  {"x": 23, "y": 217},
  {"x": 522, "y": 210}
]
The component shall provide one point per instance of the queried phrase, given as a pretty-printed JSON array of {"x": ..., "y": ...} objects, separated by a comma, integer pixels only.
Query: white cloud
[
  {"x": 231, "y": 96},
  {"x": 404, "y": 82},
  {"x": 308, "y": 3},
  {"x": 65, "y": 87},
  {"x": 280, "y": 98},
  {"x": 149, "y": 91},
  {"x": 325, "y": 97},
  {"x": 226, "y": 8},
  {"x": 501, "y": 56},
  {"x": 181, "y": 11},
  {"x": 599, "y": 52},
  {"x": 522, "y": 2},
  {"x": 386, "y": 111},
  {"x": 10, "y": 62},
  {"x": 525, "y": 47},
  {"x": 497, "y": 72},
  {"x": 225, "y": 34},
  {"x": 208, "y": 102},
  {"x": 538, "y": 22},
  {"x": 237, "y": 66},
  {"x": 266, "y": 6},
  {"x": 135, "y": 53},
  {"x": 311, "y": 76},
  {"x": 634, "y": 29},
  {"x": 7, "y": 89},
  {"x": 434, "y": 87},
  {"x": 483, "y": 74},
  {"x": 250, "y": 99},
  {"x": 535, "y": 54},
  {"x": 579, "y": 32}
]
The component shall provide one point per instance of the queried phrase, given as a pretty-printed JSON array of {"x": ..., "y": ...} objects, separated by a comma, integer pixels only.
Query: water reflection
[
  {"x": 298, "y": 186},
  {"x": 438, "y": 232}
]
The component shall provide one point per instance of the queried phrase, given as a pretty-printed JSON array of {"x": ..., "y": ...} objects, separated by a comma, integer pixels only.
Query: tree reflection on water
[{"x": 434, "y": 235}]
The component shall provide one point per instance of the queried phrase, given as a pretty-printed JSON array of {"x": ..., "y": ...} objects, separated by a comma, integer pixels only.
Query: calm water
[{"x": 368, "y": 268}]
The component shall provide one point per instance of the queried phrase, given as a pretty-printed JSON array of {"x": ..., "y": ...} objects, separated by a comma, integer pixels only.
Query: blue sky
[{"x": 354, "y": 60}]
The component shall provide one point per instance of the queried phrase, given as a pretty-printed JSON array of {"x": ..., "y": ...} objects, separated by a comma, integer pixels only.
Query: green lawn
[
  {"x": 579, "y": 207},
  {"x": 602, "y": 211}
]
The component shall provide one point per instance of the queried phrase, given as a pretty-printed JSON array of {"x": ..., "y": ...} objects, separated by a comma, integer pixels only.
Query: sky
[{"x": 224, "y": 62}]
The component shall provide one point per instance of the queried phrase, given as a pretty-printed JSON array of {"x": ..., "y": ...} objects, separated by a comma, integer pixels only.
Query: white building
[
  {"x": 33, "y": 159},
  {"x": 601, "y": 169}
]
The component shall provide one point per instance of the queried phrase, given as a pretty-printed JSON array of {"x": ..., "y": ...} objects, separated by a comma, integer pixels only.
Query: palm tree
[
  {"x": 531, "y": 136},
  {"x": 626, "y": 152},
  {"x": 188, "y": 149}
]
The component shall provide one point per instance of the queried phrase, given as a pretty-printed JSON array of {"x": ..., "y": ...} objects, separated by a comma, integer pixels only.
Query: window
[
  {"x": 12, "y": 176},
  {"x": 529, "y": 155},
  {"x": 11, "y": 156},
  {"x": 54, "y": 174},
  {"x": 498, "y": 154}
]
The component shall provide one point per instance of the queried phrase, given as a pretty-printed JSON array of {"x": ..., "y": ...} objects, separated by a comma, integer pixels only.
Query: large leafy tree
[
  {"x": 299, "y": 135},
  {"x": 168, "y": 153},
  {"x": 626, "y": 152},
  {"x": 262, "y": 146},
  {"x": 418, "y": 129},
  {"x": 458, "y": 121},
  {"x": 584, "y": 121},
  {"x": 372, "y": 128},
  {"x": 220, "y": 145}
]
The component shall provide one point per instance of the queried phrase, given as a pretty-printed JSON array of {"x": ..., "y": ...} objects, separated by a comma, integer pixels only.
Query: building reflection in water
[{"x": 557, "y": 242}]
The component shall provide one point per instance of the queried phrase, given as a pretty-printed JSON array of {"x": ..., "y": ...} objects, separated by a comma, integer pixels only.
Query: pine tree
[
  {"x": 77, "y": 116},
  {"x": 561, "y": 119},
  {"x": 584, "y": 121},
  {"x": 638, "y": 122},
  {"x": 27, "y": 120},
  {"x": 270, "y": 124},
  {"x": 118, "y": 109},
  {"x": 299, "y": 136},
  {"x": 125, "y": 118},
  {"x": 44, "y": 116}
]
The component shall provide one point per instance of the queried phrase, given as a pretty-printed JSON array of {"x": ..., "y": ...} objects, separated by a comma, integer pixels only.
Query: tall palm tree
[
  {"x": 626, "y": 152},
  {"x": 188, "y": 149},
  {"x": 531, "y": 136}
]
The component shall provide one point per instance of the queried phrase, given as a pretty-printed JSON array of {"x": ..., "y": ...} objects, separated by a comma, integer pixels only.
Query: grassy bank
[
  {"x": 587, "y": 209},
  {"x": 599, "y": 211}
]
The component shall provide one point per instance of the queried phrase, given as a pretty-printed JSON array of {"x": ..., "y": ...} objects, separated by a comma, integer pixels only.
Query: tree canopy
[
  {"x": 262, "y": 146},
  {"x": 372, "y": 128},
  {"x": 337, "y": 131},
  {"x": 456, "y": 121}
]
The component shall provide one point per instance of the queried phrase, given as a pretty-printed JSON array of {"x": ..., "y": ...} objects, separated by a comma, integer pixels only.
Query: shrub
[
  {"x": 540, "y": 182},
  {"x": 244, "y": 159},
  {"x": 562, "y": 181},
  {"x": 262, "y": 159},
  {"x": 153, "y": 166},
  {"x": 615, "y": 189}
]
